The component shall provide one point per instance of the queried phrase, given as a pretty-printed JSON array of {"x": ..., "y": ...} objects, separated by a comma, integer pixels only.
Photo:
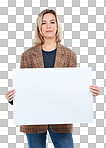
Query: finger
[
  {"x": 92, "y": 85},
  {"x": 94, "y": 91},
  {"x": 98, "y": 90},
  {"x": 13, "y": 90},
  {"x": 10, "y": 94},
  {"x": 11, "y": 97},
  {"x": 95, "y": 94},
  {"x": 95, "y": 88}
]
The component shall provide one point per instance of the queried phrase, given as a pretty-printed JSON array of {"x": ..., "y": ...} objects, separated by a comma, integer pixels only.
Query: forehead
[{"x": 49, "y": 16}]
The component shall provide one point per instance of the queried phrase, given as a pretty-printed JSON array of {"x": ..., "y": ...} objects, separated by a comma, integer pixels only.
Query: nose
[{"x": 48, "y": 25}]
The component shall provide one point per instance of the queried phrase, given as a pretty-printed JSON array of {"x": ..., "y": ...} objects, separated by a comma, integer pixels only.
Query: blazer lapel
[
  {"x": 38, "y": 56},
  {"x": 60, "y": 57}
]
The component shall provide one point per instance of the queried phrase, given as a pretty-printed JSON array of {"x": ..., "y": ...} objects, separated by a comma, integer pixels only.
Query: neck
[{"x": 49, "y": 45}]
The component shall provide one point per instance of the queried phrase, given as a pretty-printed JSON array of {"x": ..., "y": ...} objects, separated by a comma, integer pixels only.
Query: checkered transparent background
[{"x": 84, "y": 31}]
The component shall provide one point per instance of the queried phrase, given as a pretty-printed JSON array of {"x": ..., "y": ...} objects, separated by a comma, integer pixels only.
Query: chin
[{"x": 49, "y": 36}]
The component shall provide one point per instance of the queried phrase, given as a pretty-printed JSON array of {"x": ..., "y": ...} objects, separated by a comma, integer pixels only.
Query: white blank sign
[{"x": 52, "y": 96}]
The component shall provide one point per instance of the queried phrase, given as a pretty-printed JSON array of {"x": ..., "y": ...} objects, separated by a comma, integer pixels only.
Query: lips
[{"x": 49, "y": 31}]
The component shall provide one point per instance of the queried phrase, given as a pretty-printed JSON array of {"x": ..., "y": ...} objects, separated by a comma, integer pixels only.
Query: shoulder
[
  {"x": 30, "y": 50},
  {"x": 67, "y": 50}
]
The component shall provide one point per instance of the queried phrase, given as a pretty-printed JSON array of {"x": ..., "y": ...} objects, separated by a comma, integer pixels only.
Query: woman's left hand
[{"x": 95, "y": 90}]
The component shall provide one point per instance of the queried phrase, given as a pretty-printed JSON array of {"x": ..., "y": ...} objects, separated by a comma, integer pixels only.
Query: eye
[
  {"x": 43, "y": 23},
  {"x": 51, "y": 22}
]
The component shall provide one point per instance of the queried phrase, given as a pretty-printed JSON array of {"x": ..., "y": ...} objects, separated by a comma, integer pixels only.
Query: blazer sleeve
[
  {"x": 23, "y": 64},
  {"x": 24, "y": 61},
  {"x": 73, "y": 59},
  {"x": 11, "y": 102}
]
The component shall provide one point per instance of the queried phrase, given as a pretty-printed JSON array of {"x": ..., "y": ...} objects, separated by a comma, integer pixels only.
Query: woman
[{"x": 48, "y": 52}]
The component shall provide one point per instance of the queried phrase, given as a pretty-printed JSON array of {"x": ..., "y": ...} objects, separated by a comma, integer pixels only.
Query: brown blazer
[{"x": 33, "y": 58}]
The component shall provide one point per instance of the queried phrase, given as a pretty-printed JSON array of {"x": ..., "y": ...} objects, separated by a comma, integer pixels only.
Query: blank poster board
[{"x": 52, "y": 96}]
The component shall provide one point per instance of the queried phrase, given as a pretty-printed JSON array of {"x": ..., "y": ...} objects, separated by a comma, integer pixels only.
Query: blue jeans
[{"x": 60, "y": 140}]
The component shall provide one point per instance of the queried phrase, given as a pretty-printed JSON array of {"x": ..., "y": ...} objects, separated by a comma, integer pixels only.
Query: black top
[{"x": 48, "y": 58}]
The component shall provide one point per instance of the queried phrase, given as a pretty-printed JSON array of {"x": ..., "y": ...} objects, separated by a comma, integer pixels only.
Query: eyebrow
[{"x": 50, "y": 20}]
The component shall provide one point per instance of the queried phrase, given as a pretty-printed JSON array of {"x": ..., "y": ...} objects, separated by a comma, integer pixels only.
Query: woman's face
[{"x": 49, "y": 26}]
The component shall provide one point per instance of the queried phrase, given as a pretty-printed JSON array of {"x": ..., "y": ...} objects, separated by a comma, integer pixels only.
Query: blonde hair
[{"x": 38, "y": 34}]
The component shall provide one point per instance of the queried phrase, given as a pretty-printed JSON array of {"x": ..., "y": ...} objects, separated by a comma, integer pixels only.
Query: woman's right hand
[{"x": 10, "y": 95}]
